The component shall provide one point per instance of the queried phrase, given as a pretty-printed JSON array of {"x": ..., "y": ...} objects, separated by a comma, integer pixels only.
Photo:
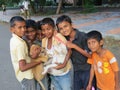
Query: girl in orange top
[{"x": 104, "y": 64}]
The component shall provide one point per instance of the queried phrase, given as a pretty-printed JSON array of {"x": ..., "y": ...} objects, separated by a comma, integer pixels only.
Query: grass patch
[{"x": 110, "y": 41}]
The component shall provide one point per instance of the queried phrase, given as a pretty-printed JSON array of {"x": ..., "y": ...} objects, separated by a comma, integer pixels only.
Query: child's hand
[
  {"x": 117, "y": 88},
  {"x": 89, "y": 87},
  {"x": 60, "y": 66},
  {"x": 49, "y": 70},
  {"x": 69, "y": 44}
]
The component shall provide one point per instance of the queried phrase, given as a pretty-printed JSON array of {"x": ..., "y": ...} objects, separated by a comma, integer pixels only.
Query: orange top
[{"x": 104, "y": 68}]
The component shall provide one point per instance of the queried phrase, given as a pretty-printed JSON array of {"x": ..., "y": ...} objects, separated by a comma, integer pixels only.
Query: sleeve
[
  {"x": 61, "y": 48},
  {"x": 84, "y": 43},
  {"x": 44, "y": 42},
  {"x": 21, "y": 52},
  {"x": 61, "y": 38},
  {"x": 91, "y": 60},
  {"x": 113, "y": 61}
]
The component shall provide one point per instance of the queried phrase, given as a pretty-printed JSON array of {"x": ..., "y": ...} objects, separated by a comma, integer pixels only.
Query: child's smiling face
[
  {"x": 65, "y": 28},
  {"x": 47, "y": 30},
  {"x": 19, "y": 29},
  {"x": 31, "y": 33},
  {"x": 94, "y": 45}
]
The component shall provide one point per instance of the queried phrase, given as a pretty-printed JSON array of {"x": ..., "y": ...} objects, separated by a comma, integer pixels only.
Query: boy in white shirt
[{"x": 19, "y": 54}]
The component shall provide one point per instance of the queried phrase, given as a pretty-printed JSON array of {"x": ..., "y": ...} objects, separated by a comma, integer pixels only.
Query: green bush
[
  {"x": 89, "y": 6},
  {"x": 49, "y": 3}
]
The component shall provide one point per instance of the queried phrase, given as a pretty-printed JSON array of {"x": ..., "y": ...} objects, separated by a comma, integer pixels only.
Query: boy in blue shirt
[{"x": 79, "y": 51}]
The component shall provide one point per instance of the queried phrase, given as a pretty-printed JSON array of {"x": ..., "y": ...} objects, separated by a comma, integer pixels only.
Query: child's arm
[
  {"x": 23, "y": 65},
  {"x": 91, "y": 78},
  {"x": 117, "y": 87},
  {"x": 83, "y": 52},
  {"x": 60, "y": 66}
]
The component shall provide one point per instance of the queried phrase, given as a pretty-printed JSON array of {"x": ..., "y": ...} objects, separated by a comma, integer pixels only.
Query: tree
[
  {"x": 88, "y": 5},
  {"x": 36, "y": 4},
  {"x": 75, "y": 2},
  {"x": 8, "y": 2},
  {"x": 42, "y": 4},
  {"x": 59, "y": 6}
]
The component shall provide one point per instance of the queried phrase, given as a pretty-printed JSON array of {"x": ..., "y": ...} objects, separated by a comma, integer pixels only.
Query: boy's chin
[
  {"x": 65, "y": 35},
  {"x": 93, "y": 51}
]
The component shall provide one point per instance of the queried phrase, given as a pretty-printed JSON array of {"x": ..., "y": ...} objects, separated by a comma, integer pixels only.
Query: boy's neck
[
  {"x": 49, "y": 45},
  {"x": 72, "y": 35},
  {"x": 101, "y": 52}
]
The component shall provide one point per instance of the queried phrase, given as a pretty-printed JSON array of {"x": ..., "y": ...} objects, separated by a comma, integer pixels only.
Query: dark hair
[
  {"x": 38, "y": 25},
  {"x": 95, "y": 35},
  {"x": 31, "y": 24},
  {"x": 14, "y": 19},
  {"x": 63, "y": 18},
  {"x": 47, "y": 20}
]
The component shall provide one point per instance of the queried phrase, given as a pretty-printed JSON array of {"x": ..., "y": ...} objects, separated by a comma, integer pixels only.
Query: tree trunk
[
  {"x": 75, "y": 2},
  {"x": 59, "y": 6},
  {"x": 32, "y": 6}
]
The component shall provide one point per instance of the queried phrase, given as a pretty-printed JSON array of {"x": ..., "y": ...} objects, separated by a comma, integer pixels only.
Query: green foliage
[
  {"x": 42, "y": 2},
  {"x": 46, "y": 12},
  {"x": 89, "y": 6},
  {"x": 9, "y": 2},
  {"x": 49, "y": 3}
]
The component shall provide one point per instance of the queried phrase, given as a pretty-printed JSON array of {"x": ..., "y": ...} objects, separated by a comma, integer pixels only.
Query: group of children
[{"x": 74, "y": 58}]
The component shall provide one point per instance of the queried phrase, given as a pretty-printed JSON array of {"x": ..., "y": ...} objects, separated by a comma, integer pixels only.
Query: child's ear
[
  {"x": 12, "y": 30},
  {"x": 101, "y": 42}
]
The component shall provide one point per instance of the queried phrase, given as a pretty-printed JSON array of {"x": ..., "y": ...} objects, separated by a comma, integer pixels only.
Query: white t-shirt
[{"x": 26, "y": 4}]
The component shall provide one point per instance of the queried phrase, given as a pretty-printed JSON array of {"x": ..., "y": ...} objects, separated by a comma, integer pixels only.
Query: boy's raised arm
[{"x": 83, "y": 52}]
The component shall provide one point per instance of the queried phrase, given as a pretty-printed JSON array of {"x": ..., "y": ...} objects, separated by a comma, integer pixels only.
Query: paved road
[
  {"x": 108, "y": 22},
  {"x": 7, "y": 78}
]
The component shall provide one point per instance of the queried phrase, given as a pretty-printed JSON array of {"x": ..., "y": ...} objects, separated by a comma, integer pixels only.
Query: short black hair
[
  {"x": 14, "y": 19},
  {"x": 31, "y": 24},
  {"x": 63, "y": 18},
  {"x": 38, "y": 25},
  {"x": 94, "y": 34},
  {"x": 47, "y": 20}
]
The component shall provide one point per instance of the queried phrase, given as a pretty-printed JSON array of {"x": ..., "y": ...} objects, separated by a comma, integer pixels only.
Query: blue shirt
[{"x": 79, "y": 61}]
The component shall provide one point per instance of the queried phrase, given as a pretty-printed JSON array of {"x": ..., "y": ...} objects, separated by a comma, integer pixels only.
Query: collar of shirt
[
  {"x": 14, "y": 35},
  {"x": 76, "y": 35}
]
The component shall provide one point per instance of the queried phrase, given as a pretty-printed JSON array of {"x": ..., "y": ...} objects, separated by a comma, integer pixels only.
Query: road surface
[{"x": 7, "y": 76}]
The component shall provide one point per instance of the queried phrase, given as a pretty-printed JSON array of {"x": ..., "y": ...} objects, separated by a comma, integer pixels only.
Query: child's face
[
  {"x": 40, "y": 36},
  {"x": 47, "y": 30},
  {"x": 31, "y": 33},
  {"x": 94, "y": 45},
  {"x": 19, "y": 29},
  {"x": 65, "y": 28}
]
